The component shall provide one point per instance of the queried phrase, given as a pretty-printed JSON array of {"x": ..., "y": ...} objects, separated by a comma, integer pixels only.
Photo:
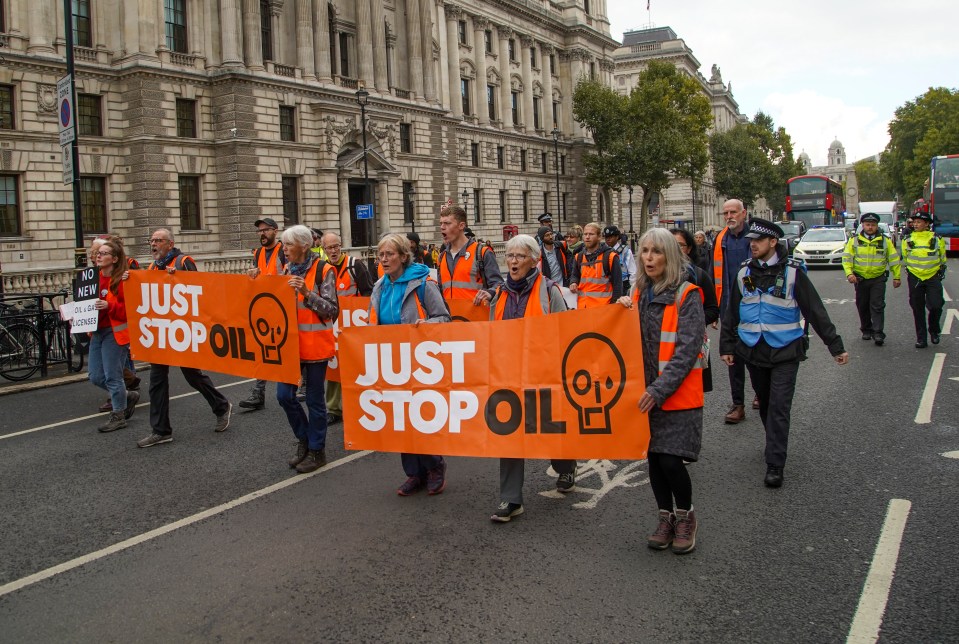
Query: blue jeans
[
  {"x": 107, "y": 359},
  {"x": 312, "y": 429}
]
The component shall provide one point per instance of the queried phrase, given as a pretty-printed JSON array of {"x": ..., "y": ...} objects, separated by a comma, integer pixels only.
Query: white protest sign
[{"x": 85, "y": 316}]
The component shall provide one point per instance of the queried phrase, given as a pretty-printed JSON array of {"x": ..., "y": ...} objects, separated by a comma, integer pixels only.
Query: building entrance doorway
[{"x": 362, "y": 229}]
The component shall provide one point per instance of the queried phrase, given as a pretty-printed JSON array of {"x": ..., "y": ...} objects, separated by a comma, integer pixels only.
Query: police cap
[{"x": 759, "y": 228}]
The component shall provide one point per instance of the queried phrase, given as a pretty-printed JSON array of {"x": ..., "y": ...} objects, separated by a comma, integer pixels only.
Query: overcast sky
[{"x": 823, "y": 70}]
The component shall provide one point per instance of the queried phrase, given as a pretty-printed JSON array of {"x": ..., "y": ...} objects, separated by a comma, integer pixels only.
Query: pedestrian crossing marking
[{"x": 608, "y": 480}]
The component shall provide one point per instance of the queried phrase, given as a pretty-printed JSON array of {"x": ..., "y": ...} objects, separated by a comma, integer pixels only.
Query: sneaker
[
  {"x": 774, "y": 476},
  {"x": 253, "y": 401},
  {"x": 665, "y": 531},
  {"x": 223, "y": 420},
  {"x": 115, "y": 422},
  {"x": 436, "y": 479},
  {"x": 566, "y": 482},
  {"x": 314, "y": 460},
  {"x": 133, "y": 397},
  {"x": 684, "y": 539},
  {"x": 506, "y": 511},
  {"x": 301, "y": 449},
  {"x": 107, "y": 406},
  {"x": 155, "y": 439},
  {"x": 411, "y": 486}
]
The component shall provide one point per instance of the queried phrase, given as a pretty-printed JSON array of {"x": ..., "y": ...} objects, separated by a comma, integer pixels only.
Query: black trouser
[
  {"x": 160, "y": 395},
  {"x": 670, "y": 481},
  {"x": 775, "y": 387},
  {"x": 737, "y": 382},
  {"x": 871, "y": 304},
  {"x": 925, "y": 294}
]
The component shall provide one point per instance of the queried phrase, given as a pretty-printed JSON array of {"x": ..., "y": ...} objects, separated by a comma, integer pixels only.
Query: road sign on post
[
  {"x": 364, "y": 211},
  {"x": 65, "y": 109},
  {"x": 67, "y": 164}
]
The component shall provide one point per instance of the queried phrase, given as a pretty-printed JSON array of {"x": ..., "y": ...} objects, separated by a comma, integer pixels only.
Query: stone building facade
[
  {"x": 203, "y": 115},
  {"x": 681, "y": 204}
]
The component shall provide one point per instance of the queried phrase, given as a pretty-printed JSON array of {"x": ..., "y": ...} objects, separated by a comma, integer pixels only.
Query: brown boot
[
  {"x": 756, "y": 402},
  {"x": 685, "y": 540},
  {"x": 315, "y": 459},
  {"x": 663, "y": 536},
  {"x": 301, "y": 449},
  {"x": 107, "y": 406},
  {"x": 131, "y": 380},
  {"x": 736, "y": 414}
]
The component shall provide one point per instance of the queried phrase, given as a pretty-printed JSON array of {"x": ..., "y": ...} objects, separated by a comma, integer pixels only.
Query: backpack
[{"x": 606, "y": 259}]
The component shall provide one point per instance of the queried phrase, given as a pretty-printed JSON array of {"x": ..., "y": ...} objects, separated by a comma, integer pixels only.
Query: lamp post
[
  {"x": 363, "y": 98},
  {"x": 466, "y": 200},
  {"x": 411, "y": 199},
  {"x": 559, "y": 208},
  {"x": 632, "y": 235}
]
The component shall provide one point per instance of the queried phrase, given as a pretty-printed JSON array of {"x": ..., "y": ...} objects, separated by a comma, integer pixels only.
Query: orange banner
[
  {"x": 226, "y": 323},
  {"x": 466, "y": 311},
  {"x": 559, "y": 386}
]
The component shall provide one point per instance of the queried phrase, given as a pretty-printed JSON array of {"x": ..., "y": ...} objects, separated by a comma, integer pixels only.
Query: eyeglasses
[
  {"x": 103, "y": 253},
  {"x": 264, "y": 230},
  {"x": 157, "y": 240},
  {"x": 513, "y": 257},
  {"x": 387, "y": 254},
  {"x": 330, "y": 249}
]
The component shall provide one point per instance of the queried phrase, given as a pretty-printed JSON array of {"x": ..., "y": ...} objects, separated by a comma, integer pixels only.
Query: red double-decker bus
[
  {"x": 941, "y": 196},
  {"x": 815, "y": 200}
]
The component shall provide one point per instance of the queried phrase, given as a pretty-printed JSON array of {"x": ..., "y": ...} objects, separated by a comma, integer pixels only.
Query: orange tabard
[
  {"x": 316, "y": 335},
  {"x": 718, "y": 263},
  {"x": 595, "y": 287},
  {"x": 270, "y": 260},
  {"x": 466, "y": 280}
]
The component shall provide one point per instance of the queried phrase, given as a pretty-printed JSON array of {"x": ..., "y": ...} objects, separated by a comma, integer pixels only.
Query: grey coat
[
  {"x": 433, "y": 305},
  {"x": 672, "y": 432}
]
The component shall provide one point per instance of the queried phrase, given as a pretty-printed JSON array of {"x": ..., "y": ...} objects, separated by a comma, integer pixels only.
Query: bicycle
[{"x": 19, "y": 351}]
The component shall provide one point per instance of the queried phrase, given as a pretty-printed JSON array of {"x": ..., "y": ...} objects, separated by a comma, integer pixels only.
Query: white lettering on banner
[
  {"x": 88, "y": 290},
  {"x": 179, "y": 335},
  {"x": 346, "y": 319},
  {"x": 462, "y": 406},
  {"x": 177, "y": 299},
  {"x": 456, "y": 350},
  {"x": 150, "y": 301}
]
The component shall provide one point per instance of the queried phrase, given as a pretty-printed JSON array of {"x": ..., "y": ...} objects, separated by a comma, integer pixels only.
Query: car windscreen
[
  {"x": 791, "y": 229},
  {"x": 824, "y": 235}
]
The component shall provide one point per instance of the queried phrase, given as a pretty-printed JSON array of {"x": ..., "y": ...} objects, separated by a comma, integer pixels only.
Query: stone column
[
  {"x": 453, "y": 14},
  {"x": 443, "y": 82},
  {"x": 304, "y": 38},
  {"x": 252, "y": 39},
  {"x": 479, "y": 58},
  {"x": 364, "y": 43},
  {"x": 378, "y": 26},
  {"x": 43, "y": 21},
  {"x": 414, "y": 47},
  {"x": 429, "y": 67},
  {"x": 505, "y": 89},
  {"x": 545, "y": 50},
  {"x": 275, "y": 10},
  {"x": 576, "y": 58},
  {"x": 321, "y": 47},
  {"x": 525, "y": 43},
  {"x": 383, "y": 206},
  {"x": 230, "y": 39},
  {"x": 343, "y": 187}
]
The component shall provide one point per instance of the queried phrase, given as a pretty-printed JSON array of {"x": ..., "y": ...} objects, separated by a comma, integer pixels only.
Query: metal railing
[{"x": 55, "y": 344}]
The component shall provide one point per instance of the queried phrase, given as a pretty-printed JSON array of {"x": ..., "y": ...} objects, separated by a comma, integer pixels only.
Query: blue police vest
[{"x": 763, "y": 315}]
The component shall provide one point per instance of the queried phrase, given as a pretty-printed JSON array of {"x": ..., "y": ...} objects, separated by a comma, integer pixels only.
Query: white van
[{"x": 885, "y": 209}]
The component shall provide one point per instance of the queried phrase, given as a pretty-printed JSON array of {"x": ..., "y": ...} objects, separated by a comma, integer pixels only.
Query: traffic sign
[
  {"x": 66, "y": 119},
  {"x": 67, "y": 165},
  {"x": 364, "y": 211}
]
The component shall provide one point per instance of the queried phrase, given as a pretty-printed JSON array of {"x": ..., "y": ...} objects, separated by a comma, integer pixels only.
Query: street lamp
[
  {"x": 363, "y": 98},
  {"x": 411, "y": 199},
  {"x": 632, "y": 235},
  {"x": 466, "y": 200},
  {"x": 559, "y": 209}
]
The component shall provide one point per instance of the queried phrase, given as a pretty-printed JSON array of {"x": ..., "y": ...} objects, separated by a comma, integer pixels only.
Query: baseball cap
[{"x": 266, "y": 220}]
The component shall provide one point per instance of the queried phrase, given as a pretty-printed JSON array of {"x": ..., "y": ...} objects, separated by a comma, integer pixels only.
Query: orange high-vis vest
[
  {"x": 120, "y": 332},
  {"x": 178, "y": 263},
  {"x": 316, "y": 336},
  {"x": 595, "y": 287},
  {"x": 689, "y": 395},
  {"x": 271, "y": 264},
  {"x": 466, "y": 280},
  {"x": 345, "y": 286},
  {"x": 539, "y": 308},
  {"x": 718, "y": 264}
]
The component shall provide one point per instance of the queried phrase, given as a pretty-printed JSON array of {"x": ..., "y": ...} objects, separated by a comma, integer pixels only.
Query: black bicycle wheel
[
  {"x": 19, "y": 352},
  {"x": 73, "y": 349}
]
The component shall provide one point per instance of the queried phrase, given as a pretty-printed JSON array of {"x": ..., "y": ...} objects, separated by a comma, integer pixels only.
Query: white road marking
[
  {"x": 951, "y": 454},
  {"x": 830, "y": 300},
  {"x": 951, "y": 314},
  {"x": 945, "y": 295},
  {"x": 924, "y": 413},
  {"x": 607, "y": 483},
  {"x": 875, "y": 592},
  {"x": 97, "y": 415},
  {"x": 170, "y": 527}
]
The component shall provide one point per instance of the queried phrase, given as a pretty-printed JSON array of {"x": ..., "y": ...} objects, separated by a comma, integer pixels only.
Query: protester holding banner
[
  {"x": 673, "y": 326},
  {"x": 110, "y": 343},
  {"x": 467, "y": 270},
  {"x": 526, "y": 293},
  {"x": 701, "y": 278},
  {"x": 167, "y": 257},
  {"x": 405, "y": 295}
]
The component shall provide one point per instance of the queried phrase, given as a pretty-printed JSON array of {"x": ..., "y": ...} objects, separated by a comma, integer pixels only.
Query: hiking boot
[
  {"x": 107, "y": 406},
  {"x": 253, "y": 401},
  {"x": 566, "y": 482},
  {"x": 774, "y": 476},
  {"x": 133, "y": 397},
  {"x": 736, "y": 414},
  {"x": 506, "y": 511},
  {"x": 756, "y": 402},
  {"x": 223, "y": 420},
  {"x": 314, "y": 460},
  {"x": 436, "y": 479},
  {"x": 155, "y": 439},
  {"x": 663, "y": 536},
  {"x": 684, "y": 538},
  {"x": 130, "y": 380},
  {"x": 301, "y": 449},
  {"x": 115, "y": 422},
  {"x": 411, "y": 486}
]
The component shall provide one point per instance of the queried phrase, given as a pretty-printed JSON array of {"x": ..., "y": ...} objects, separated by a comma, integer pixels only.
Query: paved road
[{"x": 337, "y": 556}]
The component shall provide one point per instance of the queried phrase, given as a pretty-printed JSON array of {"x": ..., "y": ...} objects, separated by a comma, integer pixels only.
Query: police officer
[
  {"x": 626, "y": 258},
  {"x": 762, "y": 328},
  {"x": 867, "y": 261},
  {"x": 924, "y": 254}
]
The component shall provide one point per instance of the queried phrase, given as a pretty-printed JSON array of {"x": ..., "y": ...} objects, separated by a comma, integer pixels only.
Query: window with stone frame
[
  {"x": 546, "y": 201},
  {"x": 562, "y": 164},
  {"x": 491, "y": 102},
  {"x": 461, "y": 30},
  {"x": 511, "y": 47},
  {"x": 532, "y": 57},
  {"x": 522, "y": 160},
  {"x": 477, "y": 205},
  {"x": 287, "y": 123},
  {"x": 552, "y": 64},
  {"x": 536, "y": 119},
  {"x": 465, "y": 91},
  {"x": 502, "y": 206},
  {"x": 526, "y": 205},
  {"x": 407, "y": 206},
  {"x": 514, "y": 106},
  {"x": 544, "y": 160},
  {"x": 89, "y": 115},
  {"x": 189, "y": 202},
  {"x": 406, "y": 137},
  {"x": 555, "y": 110},
  {"x": 291, "y": 200},
  {"x": 8, "y": 112},
  {"x": 488, "y": 41},
  {"x": 80, "y": 15},
  {"x": 344, "y": 54},
  {"x": 500, "y": 157},
  {"x": 174, "y": 15},
  {"x": 474, "y": 154},
  {"x": 586, "y": 6},
  {"x": 186, "y": 118},
  {"x": 93, "y": 204},
  {"x": 266, "y": 30},
  {"x": 9, "y": 206}
]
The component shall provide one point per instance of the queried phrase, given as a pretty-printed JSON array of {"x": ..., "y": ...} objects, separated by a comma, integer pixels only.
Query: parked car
[
  {"x": 794, "y": 230},
  {"x": 822, "y": 246}
]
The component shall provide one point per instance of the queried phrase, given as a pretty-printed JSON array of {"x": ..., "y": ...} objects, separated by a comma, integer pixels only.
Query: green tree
[
  {"x": 873, "y": 183},
  {"x": 920, "y": 130},
  {"x": 656, "y": 134}
]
